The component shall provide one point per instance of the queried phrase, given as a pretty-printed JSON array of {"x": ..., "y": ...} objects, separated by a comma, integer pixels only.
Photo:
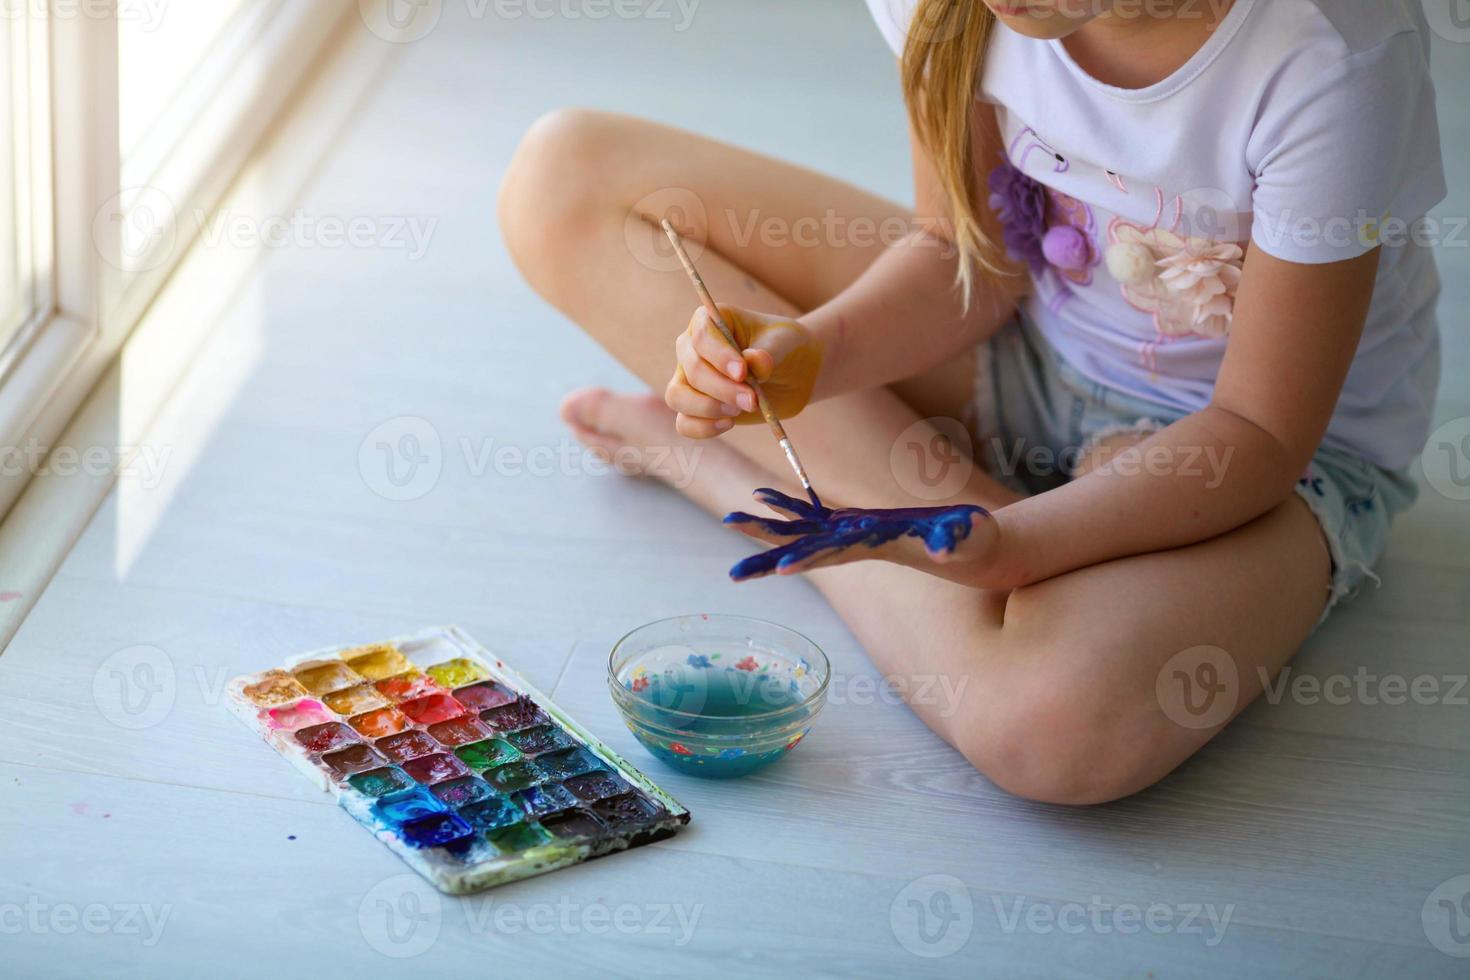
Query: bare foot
[{"x": 635, "y": 434}]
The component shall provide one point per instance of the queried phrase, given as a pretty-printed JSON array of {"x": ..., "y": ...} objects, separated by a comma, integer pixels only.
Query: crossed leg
[{"x": 1057, "y": 690}]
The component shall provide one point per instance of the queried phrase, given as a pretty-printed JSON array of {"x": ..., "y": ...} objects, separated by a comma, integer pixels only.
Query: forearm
[
  {"x": 1207, "y": 474},
  {"x": 904, "y": 315}
]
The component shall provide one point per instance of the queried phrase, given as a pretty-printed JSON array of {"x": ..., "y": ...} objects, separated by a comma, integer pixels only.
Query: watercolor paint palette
[{"x": 448, "y": 756}]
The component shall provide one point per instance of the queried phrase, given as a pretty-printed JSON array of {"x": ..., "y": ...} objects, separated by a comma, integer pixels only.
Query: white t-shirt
[{"x": 1304, "y": 127}]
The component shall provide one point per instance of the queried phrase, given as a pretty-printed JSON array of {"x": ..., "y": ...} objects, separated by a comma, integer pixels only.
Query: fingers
[
  {"x": 790, "y": 506},
  {"x": 918, "y": 538},
  {"x": 715, "y": 374},
  {"x": 815, "y": 551},
  {"x": 760, "y": 565},
  {"x": 797, "y": 556},
  {"x": 711, "y": 345},
  {"x": 762, "y": 363},
  {"x": 693, "y": 428},
  {"x": 699, "y": 416},
  {"x": 770, "y": 531},
  {"x": 685, "y": 400},
  {"x": 704, "y": 377},
  {"x": 706, "y": 401},
  {"x": 755, "y": 527},
  {"x": 803, "y": 518}
]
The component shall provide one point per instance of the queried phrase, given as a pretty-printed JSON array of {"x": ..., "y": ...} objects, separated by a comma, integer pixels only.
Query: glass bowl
[{"x": 717, "y": 696}]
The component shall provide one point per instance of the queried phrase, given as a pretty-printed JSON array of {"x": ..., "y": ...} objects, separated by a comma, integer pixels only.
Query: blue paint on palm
[{"x": 820, "y": 529}]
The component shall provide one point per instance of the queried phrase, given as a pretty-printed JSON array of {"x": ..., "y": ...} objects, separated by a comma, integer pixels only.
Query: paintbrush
[{"x": 772, "y": 419}]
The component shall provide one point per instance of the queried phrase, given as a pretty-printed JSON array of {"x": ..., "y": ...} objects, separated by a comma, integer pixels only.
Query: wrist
[
  {"x": 827, "y": 334},
  {"x": 1002, "y": 563}
]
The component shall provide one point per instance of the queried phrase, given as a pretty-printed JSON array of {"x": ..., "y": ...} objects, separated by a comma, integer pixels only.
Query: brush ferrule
[{"x": 786, "y": 447}]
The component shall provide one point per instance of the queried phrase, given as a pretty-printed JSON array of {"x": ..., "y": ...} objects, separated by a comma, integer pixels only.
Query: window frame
[
  {"x": 93, "y": 297},
  {"x": 35, "y": 255}
]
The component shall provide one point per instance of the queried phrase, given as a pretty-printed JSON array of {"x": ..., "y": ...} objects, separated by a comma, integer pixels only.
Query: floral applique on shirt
[
  {"x": 1044, "y": 228},
  {"x": 1188, "y": 284},
  {"x": 1070, "y": 244}
]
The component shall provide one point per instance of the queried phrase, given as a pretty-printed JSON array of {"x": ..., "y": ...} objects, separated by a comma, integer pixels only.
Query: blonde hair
[{"x": 942, "y": 63}]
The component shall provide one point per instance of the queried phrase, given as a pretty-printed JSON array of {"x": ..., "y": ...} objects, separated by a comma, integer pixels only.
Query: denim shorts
[{"x": 1035, "y": 415}]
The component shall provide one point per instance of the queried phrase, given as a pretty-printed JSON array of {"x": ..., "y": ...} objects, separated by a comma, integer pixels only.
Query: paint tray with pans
[{"x": 451, "y": 759}]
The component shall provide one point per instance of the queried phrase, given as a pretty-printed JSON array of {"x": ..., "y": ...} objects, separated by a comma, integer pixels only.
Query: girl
[{"x": 1164, "y": 264}]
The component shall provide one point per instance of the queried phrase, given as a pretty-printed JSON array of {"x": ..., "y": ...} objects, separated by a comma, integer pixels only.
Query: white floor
[{"x": 144, "y": 832}]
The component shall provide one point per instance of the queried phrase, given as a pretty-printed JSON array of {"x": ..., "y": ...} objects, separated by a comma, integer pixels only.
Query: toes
[
  {"x": 582, "y": 409},
  {"x": 629, "y": 418},
  {"x": 635, "y": 418},
  {"x": 585, "y": 412}
]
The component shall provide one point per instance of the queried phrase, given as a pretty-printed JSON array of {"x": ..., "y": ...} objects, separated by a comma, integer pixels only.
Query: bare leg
[
  {"x": 1053, "y": 690},
  {"x": 579, "y": 209}
]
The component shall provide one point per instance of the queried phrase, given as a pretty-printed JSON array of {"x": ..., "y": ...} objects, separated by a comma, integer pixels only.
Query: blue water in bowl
[{"x": 718, "y": 720}]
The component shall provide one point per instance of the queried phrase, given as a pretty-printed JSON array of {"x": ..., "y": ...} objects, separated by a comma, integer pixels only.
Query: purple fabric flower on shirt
[{"x": 1020, "y": 203}]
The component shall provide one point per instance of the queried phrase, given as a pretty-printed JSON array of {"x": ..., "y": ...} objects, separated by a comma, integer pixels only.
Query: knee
[
  {"x": 1055, "y": 727},
  {"x": 1039, "y": 752},
  {"x": 555, "y": 183}
]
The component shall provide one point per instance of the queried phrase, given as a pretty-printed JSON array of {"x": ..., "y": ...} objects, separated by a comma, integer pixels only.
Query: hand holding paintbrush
[
  {"x": 807, "y": 537},
  {"x": 698, "y": 363}
]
